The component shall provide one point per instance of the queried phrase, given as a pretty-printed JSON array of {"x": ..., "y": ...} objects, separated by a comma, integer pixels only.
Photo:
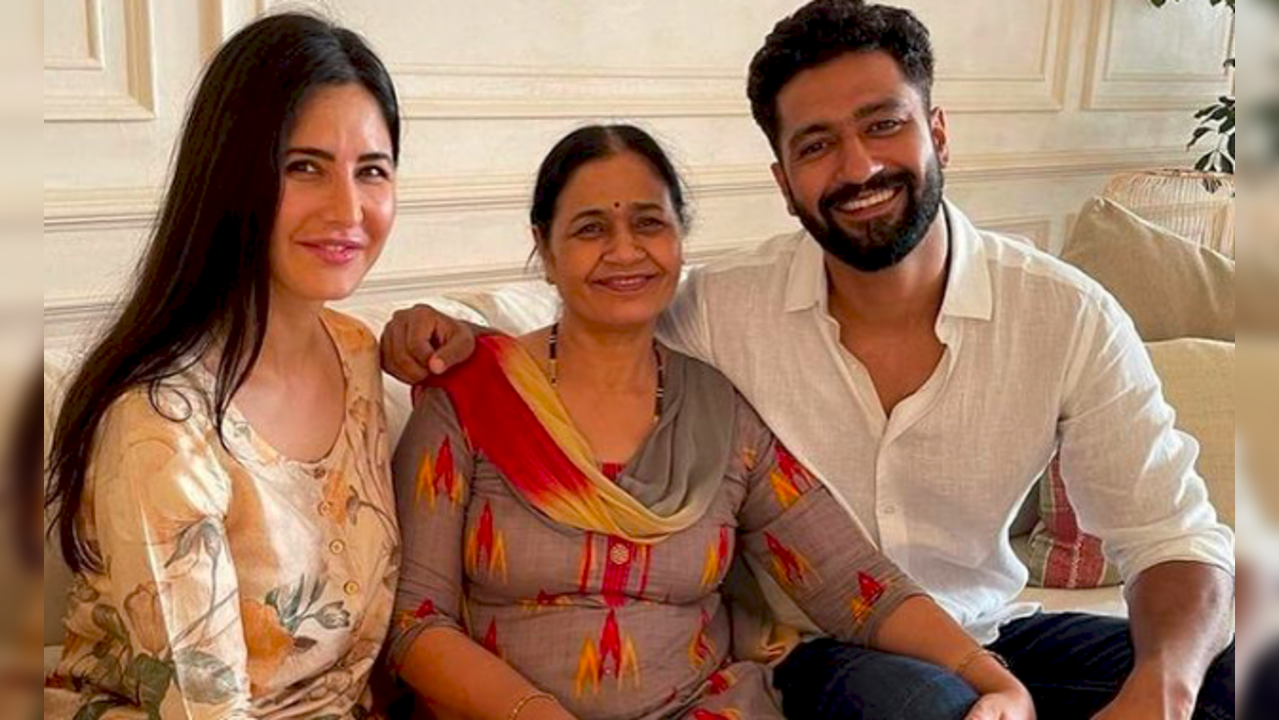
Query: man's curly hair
[{"x": 823, "y": 30}]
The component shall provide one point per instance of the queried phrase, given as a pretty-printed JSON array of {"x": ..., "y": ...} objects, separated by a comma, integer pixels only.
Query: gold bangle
[
  {"x": 520, "y": 704},
  {"x": 971, "y": 658}
]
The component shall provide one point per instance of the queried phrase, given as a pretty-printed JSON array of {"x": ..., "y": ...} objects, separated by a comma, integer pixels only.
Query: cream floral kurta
[{"x": 235, "y": 584}]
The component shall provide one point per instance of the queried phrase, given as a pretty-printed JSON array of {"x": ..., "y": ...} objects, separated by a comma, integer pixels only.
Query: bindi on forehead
[{"x": 616, "y": 205}]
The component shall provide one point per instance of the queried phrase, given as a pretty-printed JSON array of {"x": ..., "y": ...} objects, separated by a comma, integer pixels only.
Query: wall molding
[
  {"x": 137, "y": 101},
  {"x": 80, "y": 210},
  {"x": 1043, "y": 90},
  {"x": 93, "y": 31},
  {"x": 434, "y": 91},
  {"x": 1107, "y": 88}
]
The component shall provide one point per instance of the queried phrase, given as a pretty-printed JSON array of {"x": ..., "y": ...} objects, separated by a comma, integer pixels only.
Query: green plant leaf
[{"x": 204, "y": 678}]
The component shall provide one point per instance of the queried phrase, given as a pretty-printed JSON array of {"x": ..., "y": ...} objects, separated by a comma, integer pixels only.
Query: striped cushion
[{"x": 1060, "y": 554}]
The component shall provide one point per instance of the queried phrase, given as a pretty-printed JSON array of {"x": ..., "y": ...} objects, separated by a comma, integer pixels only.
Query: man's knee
[{"x": 825, "y": 679}]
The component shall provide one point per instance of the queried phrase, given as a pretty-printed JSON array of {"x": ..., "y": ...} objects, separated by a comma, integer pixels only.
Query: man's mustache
[{"x": 849, "y": 191}]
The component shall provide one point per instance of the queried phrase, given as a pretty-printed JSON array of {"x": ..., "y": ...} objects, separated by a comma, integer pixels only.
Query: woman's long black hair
[{"x": 204, "y": 278}]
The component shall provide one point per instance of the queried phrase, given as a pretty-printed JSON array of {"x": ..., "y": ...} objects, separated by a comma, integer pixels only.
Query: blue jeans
[{"x": 1073, "y": 665}]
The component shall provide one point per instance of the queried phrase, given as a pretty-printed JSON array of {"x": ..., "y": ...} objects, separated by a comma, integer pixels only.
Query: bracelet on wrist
[
  {"x": 962, "y": 666},
  {"x": 527, "y": 699}
]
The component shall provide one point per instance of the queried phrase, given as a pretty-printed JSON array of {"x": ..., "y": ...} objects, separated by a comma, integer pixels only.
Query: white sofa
[{"x": 515, "y": 308}]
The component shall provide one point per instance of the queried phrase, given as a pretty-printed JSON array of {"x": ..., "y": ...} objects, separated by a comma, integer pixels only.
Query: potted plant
[{"x": 1216, "y": 120}]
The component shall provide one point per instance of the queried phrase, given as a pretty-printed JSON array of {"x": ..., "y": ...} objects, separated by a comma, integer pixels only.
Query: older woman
[
  {"x": 219, "y": 467},
  {"x": 571, "y": 500}
]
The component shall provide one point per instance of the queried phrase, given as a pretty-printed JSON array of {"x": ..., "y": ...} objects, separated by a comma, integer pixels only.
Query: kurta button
[
  {"x": 319, "y": 473},
  {"x": 889, "y": 509},
  {"x": 337, "y": 547},
  {"x": 619, "y": 554},
  {"x": 325, "y": 508},
  {"x": 351, "y": 587}
]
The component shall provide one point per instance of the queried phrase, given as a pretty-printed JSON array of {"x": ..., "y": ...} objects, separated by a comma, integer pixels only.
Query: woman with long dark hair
[{"x": 219, "y": 474}]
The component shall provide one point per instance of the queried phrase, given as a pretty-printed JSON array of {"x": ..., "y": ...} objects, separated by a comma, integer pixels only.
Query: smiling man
[{"x": 928, "y": 370}]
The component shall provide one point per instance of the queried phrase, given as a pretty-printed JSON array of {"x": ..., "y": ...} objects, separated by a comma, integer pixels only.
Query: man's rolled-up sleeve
[{"x": 1129, "y": 473}]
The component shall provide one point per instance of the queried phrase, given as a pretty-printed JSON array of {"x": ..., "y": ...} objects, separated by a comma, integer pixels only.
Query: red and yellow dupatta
[{"x": 513, "y": 415}]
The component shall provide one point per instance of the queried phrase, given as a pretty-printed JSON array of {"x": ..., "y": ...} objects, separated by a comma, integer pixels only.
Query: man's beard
[{"x": 885, "y": 241}]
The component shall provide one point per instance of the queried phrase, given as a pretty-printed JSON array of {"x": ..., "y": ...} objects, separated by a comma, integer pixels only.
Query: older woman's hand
[
  {"x": 1011, "y": 704},
  {"x": 421, "y": 341}
]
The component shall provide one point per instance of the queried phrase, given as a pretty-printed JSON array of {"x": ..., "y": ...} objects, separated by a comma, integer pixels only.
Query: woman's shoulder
[
  {"x": 173, "y": 406},
  {"x": 151, "y": 432},
  {"x": 714, "y": 387},
  {"x": 349, "y": 332},
  {"x": 702, "y": 378}
]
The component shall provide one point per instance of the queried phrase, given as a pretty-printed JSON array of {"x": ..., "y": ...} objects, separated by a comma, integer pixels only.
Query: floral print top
[
  {"x": 616, "y": 629},
  {"x": 235, "y": 584}
]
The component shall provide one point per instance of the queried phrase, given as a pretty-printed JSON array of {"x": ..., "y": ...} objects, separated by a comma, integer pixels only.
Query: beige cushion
[
  {"x": 1170, "y": 286},
  {"x": 515, "y": 308},
  {"x": 1198, "y": 378}
]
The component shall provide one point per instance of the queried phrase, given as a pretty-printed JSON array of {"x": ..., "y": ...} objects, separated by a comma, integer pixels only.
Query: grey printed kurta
[{"x": 612, "y": 628}]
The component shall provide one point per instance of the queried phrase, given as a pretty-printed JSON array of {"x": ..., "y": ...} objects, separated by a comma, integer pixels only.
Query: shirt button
[
  {"x": 337, "y": 547},
  {"x": 889, "y": 509},
  {"x": 351, "y": 587},
  {"x": 325, "y": 508},
  {"x": 319, "y": 473},
  {"x": 619, "y": 554}
]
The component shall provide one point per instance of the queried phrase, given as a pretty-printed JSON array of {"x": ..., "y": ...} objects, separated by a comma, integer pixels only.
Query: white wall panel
[
  {"x": 1149, "y": 58},
  {"x": 1046, "y": 98},
  {"x": 99, "y": 61}
]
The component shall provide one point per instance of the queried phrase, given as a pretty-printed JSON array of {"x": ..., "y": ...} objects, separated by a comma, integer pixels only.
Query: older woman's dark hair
[
  {"x": 595, "y": 142},
  {"x": 823, "y": 30},
  {"x": 204, "y": 279}
]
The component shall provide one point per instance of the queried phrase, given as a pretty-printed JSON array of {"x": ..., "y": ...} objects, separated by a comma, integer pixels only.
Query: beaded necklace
[{"x": 552, "y": 354}]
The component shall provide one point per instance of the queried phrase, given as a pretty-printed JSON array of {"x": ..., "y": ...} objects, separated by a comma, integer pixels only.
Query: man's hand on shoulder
[{"x": 420, "y": 341}]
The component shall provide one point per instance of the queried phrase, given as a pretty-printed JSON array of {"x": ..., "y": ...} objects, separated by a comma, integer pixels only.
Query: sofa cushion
[
  {"x": 515, "y": 309},
  {"x": 1170, "y": 286},
  {"x": 1198, "y": 381},
  {"x": 1059, "y": 554}
]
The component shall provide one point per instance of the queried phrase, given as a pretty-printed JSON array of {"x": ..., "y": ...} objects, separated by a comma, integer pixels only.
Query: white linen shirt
[{"x": 1037, "y": 356}]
